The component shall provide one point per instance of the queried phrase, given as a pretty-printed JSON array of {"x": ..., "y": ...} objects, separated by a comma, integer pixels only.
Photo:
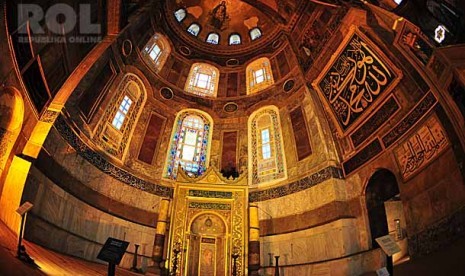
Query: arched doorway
[
  {"x": 207, "y": 246},
  {"x": 385, "y": 211}
]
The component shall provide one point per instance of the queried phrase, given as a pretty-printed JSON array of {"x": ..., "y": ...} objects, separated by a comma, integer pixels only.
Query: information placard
[
  {"x": 388, "y": 244},
  {"x": 113, "y": 251},
  {"x": 23, "y": 209}
]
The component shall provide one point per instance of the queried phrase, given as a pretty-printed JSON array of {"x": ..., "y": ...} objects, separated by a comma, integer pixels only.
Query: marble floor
[
  {"x": 48, "y": 262},
  {"x": 449, "y": 261}
]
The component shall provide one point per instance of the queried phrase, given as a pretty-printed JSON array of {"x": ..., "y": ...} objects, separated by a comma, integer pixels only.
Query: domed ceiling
[
  {"x": 229, "y": 17},
  {"x": 225, "y": 17}
]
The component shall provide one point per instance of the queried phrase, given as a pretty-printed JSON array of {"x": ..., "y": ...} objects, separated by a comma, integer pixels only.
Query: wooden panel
[
  {"x": 93, "y": 95},
  {"x": 302, "y": 140},
  {"x": 150, "y": 142},
  {"x": 228, "y": 156},
  {"x": 232, "y": 85}
]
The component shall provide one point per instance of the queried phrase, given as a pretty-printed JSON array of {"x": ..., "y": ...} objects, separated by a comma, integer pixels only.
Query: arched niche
[
  {"x": 207, "y": 245},
  {"x": 11, "y": 121}
]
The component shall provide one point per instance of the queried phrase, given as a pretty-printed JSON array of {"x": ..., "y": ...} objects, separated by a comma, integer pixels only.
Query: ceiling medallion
[
  {"x": 288, "y": 85},
  {"x": 184, "y": 50},
  {"x": 230, "y": 107},
  {"x": 276, "y": 43},
  {"x": 232, "y": 62},
  {"x": 126, "y": 48},
  {"x": 166, "y": 93}
]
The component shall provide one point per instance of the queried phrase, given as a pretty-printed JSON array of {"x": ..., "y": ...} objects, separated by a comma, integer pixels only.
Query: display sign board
[
  {"x": 388, "y": 244},
  {"x": 113, "y": 251},
  {"x": 23, "y": 209}
]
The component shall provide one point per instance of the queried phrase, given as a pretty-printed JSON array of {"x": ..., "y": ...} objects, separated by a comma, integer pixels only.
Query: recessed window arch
[
  {"x": 259, "y": 75},
  {"x": 203, "y": 80},
  {"x": 190, "y": 143},
  {"x": 180, "y": 14},
  {"x": 213, "y": 38},
  {"x": 120, "y": 117},
  {"x": 267, "y": 163},
  {"x": 255, "y": 33},
  {"x": 156, "y": 51},
  {"x": 234, "y": 39},
  {"x": 194, "y": 29}
]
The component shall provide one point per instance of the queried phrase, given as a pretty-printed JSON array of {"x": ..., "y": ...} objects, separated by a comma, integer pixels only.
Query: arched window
[
  {"x": 234, "y": 39},
  {"x": 259, "y": 75},
  {"x": 203, "y": 80},
  {"x": 156, "y": 51},
  {"x": 120, "y": 117},
  {"x": 190, "y": 143},
  {"x": 255, "y": 33},
  {"x": 194, "y": 29},
  {"x": 180, "y": 14},
  {"x": 213, "y": 38},
  {"x": 267, "y": 162}
]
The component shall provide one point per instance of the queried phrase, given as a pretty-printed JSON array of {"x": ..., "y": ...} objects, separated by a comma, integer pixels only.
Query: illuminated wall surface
[{"x": 235, "y": 131}]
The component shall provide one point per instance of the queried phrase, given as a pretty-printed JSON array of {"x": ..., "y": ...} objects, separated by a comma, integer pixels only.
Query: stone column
[
  {"x": 161, "y": 230},
  {"x": 254, "y": 240}
]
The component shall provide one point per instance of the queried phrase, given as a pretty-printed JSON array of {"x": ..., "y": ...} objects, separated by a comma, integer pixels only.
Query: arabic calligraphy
[
  {"x": 354, "y": 81},
  {"x": 421, "y": 148}
]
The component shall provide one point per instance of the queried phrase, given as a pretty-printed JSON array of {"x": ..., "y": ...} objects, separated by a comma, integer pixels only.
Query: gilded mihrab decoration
[{"x": 355, "y": 79}]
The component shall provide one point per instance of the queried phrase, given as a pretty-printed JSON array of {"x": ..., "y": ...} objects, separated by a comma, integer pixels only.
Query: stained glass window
[
  {"x": 189, "y": 144},
  {"x": 266, "y": 147},
  {"x": 259, "y": 75},
  {"x": 180, "y": 14},
  {"x": 213, "y": 38},
  {"x": 156, "y": 51},
  {"x": 234, "y": 39},
  {"x": 255, "y": 33},
  {"x": 194, "y": 29},
  {"x": 202, "y": 80}
]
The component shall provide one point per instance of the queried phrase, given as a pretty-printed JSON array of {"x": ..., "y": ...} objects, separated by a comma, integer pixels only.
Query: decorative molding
[
  {"x": 296, "y": 186},
  {"x": 210, "y": 194},
  {"x": 209, "y": 206},
  {"x": 49, "y": 116},
  {"x": 362, "y": 157},
  {"x": 106, "y": 167},
  {"x": 422, "y": 108},
  {"x": 230, "y": 107},
  {"x": 374, "y": 123}
]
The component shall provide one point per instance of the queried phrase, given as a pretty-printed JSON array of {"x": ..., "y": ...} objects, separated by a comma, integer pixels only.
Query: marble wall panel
[
  {"x": 94, "y": 178},
  {"x": 299, "y": 202},
  {"x": 78, "y": 223},
  {"x": 329, "y": 241}
]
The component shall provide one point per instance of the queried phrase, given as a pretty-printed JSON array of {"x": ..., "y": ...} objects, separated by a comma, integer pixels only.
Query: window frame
[{"x": 235, "y": 35}]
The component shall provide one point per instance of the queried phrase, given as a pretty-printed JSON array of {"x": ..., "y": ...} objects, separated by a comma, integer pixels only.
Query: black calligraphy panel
[{"x": 356, "y": 79}]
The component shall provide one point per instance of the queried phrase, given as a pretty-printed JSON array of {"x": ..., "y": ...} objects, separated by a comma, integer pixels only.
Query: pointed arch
[
  {"x": 267, "y": 162},
  {"x": 190, "y": 143}
]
